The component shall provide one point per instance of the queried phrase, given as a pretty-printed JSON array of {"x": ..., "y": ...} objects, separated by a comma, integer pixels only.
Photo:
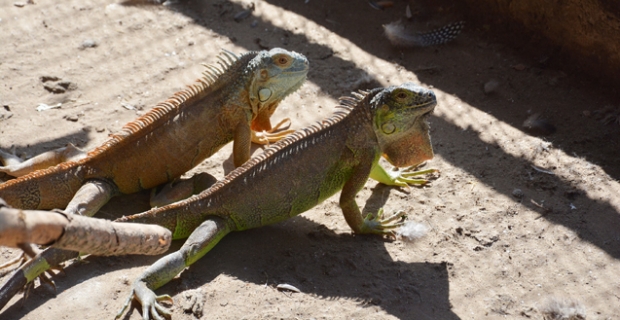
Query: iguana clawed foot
[
  {"x": 400, "y": 177},
  {"x": 376, "y": 224},
  {"x": 278, "y": 132},
  {"x": 150, "y": 304},
  {"x": 403, "y": 178}
]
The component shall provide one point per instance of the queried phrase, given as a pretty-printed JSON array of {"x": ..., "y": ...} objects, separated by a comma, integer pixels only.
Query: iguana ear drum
[
  {"x": 409, "y": 150},
  {"x": 264, "y": 94}
]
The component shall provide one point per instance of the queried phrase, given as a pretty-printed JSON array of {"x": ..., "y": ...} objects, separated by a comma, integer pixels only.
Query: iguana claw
[
  {"x": 376, "y": 224},
  {"x": 267, "y": 137},
  {"x": 150, "y": 304},
  {"x": 403, "y": 176},
  {"x": 400, "y": 178}
]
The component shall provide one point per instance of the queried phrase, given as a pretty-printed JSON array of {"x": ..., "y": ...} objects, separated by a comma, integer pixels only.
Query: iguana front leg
[
  {"x": 16, "y": 167},
  {"x": 370, "y": 224},
  {"x": 242, "y": 143},
  {"x": 201, "y": 241},
  {"x": 401, "y": 178},
  {"x": 274, "y": 134}
]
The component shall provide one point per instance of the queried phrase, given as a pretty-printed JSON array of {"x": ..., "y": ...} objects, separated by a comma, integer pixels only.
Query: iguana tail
[{"x": 50, "y": 188}]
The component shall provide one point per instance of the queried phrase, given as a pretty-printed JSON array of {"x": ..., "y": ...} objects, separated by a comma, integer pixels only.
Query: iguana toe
[
  {"x": 278, "y": 132},
  {"x": 376, "y": 224}
]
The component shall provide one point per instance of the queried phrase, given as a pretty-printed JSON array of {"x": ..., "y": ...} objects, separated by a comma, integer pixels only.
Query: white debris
[
  {"x": 43, "y": 106},
  {"x": 412, "y": 230}
]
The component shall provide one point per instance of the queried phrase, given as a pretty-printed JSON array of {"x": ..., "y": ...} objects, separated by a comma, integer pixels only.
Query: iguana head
[
  {"x": 400, "y": 122},
  {"x": 277, "y": 73}
]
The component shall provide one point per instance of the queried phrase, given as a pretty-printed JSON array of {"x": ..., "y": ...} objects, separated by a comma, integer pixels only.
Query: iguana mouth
[{"x": 426, "y": 108}]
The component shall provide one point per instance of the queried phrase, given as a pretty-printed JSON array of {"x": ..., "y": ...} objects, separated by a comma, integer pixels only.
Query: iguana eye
[
  {"x": 282, "y": 60},
  {"x": 401, "y": 95}
]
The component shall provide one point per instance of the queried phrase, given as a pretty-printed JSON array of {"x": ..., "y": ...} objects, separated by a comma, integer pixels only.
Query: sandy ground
[{"x": 492, "y": 251}]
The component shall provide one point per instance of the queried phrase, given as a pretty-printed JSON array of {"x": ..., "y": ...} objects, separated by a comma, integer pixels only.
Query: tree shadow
[
  {"x": 299, "y": 252},
  {"x": 442, "y": 67},
  {"x": 302, "y": 253}
]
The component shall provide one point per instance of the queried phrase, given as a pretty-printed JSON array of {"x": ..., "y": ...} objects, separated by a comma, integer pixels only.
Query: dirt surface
[{"x": 515, "y": 219}]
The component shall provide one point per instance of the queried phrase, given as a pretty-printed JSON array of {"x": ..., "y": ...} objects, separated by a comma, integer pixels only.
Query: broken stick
[{"x": 78, "y": 233}]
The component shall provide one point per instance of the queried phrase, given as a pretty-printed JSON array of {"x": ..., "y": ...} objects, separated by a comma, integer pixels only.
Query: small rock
[
  {"x": 68, "y": 85},
  {"x": 193, "y": 302},
  {"x": 88, "y": 43},
  {"x": 54, "y": 88},
  {"x": 73, "y": 118},
  {"x": 100, "y": 129},
  {"x": 491, "y": 86},
  {"x": 239, "y": 16},
  {"x": 537, "y": 126},
  {"x": 19, "y": 4},
  {"x": 517, "y": 193},
  {"x": 5, "y": 113},
  {"x": 49, "y": 78}
]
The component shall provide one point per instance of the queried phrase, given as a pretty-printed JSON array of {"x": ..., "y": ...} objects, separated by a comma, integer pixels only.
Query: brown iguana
[
  {"x": 294, "y": 175},
  {"x": 231, "y": 101}
]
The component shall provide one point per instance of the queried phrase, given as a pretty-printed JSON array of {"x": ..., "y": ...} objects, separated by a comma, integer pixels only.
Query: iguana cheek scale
[{"x": 290, "y": 177}]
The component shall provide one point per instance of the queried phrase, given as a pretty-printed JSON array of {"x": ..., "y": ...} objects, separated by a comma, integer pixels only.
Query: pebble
[
  {"x": 5, "y": 113},
  {"x": 73, "y": 118},
  {"x": 537, "y": 126},
  {"x": 47, "y": 78},
  {"x": 517, "y": 193},
  {"x": 491, "y": 86},
  {"x": 88, "y": 43}
]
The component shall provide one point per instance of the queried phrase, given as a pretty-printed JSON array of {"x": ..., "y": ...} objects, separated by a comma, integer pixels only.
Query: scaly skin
[
  {"x": 293, "y": 176},
  {"x": 232, "y": 102}
]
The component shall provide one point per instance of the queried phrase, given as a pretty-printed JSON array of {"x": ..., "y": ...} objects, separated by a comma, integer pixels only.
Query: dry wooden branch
[{"x": 78, "y": 233}]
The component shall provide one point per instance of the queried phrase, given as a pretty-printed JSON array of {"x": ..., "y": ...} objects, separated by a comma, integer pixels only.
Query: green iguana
[
  {"x": 294, "y": 175},
  {"x": 230, "y": 102}
]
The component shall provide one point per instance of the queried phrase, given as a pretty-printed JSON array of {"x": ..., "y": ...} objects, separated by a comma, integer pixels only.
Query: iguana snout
[{"x": 401, "y": 124}]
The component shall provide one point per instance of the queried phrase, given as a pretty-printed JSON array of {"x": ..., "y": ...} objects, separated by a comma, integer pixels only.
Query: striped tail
[{"x": 46, "y": 189}]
